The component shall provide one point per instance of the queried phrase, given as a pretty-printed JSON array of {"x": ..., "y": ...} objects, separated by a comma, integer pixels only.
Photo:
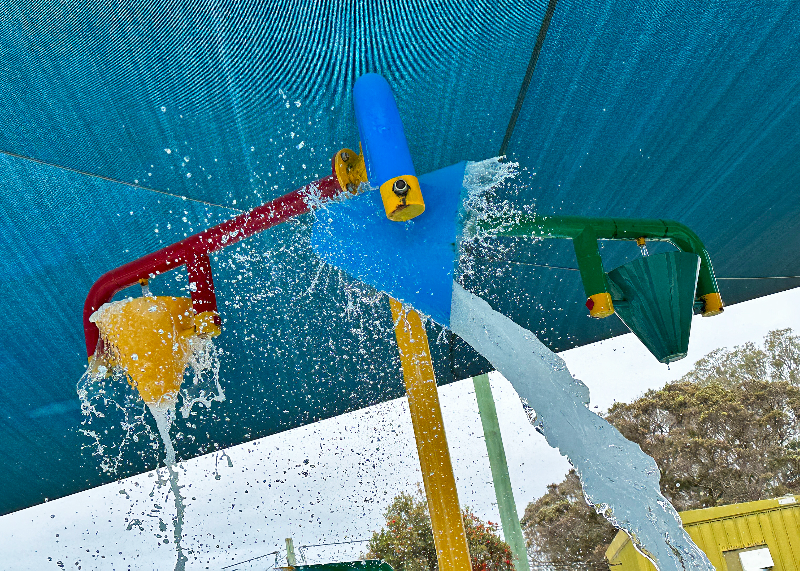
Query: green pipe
[
  {"x": 584, "y": 232},
  {"x": 512, "y": 531}
]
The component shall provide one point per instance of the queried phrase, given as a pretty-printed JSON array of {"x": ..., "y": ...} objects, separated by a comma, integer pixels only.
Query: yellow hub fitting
[
  {"x": 207, "y": 324},
  {"x": 350, "y": 170},
  {"x": 712, "y": 304},
  {"x": 402, "y": 198},
  {"x": 148, "y": 338},
  {"x": 600, "y": 305}
]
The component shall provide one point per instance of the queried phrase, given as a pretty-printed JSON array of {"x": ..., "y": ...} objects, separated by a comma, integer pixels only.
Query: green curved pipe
[{"x": 584, "y": 233}]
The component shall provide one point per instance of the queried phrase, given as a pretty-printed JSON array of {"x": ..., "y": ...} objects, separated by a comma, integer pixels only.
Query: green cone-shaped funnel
[{"x": 654, "y": 297}]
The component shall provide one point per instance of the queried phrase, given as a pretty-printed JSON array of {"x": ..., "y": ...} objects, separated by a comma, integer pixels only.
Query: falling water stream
[
  {"x": 619, "y": 480},
  {"x": 107, "y": 398}
]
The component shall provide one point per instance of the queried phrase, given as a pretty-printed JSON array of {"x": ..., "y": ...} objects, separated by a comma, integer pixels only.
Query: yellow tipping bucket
[{"x": 148, "y": 338}]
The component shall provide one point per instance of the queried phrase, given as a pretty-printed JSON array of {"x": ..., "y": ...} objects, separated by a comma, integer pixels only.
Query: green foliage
[
  {"x": 727, "y": 432},
  {"x": 778, "y": 360},
  {"x": 486, "y": 550},
  {"x": 406, "y": 542},
  {"x": 565, "y": 528},
  {"x": 716, "y": 445}
]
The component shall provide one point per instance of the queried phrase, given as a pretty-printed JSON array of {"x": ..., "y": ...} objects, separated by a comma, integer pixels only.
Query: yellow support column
[{"x": 434, "y": 456}]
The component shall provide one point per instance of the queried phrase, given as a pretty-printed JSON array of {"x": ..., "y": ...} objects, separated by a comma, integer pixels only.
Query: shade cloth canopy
[{"x": 127, "y": 125}]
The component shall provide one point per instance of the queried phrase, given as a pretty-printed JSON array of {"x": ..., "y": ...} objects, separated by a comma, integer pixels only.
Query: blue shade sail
[{"x": 684, "y": 110}]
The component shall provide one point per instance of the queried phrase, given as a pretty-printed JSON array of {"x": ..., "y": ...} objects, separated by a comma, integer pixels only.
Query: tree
[
  {"x": 563, "y": 527},
  {"x": 778, "y": 360},
  {"x": 726, "y": 432},
  {"x": 716, "y": 445},
  {"x": 406, "y": 542}
]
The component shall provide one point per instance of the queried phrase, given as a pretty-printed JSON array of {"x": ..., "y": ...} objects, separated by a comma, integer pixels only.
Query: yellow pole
[{"x": 434, "y": 456}]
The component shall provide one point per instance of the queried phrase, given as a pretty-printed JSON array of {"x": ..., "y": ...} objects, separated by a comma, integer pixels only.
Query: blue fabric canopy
[{"x": 127, "y": 125}]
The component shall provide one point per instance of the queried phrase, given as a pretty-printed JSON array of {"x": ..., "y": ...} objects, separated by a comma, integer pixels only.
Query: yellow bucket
[{"x": 148, "y": 338}]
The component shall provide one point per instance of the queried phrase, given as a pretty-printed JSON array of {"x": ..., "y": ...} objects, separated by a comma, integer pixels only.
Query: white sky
[{"x": 356, "y": 464}]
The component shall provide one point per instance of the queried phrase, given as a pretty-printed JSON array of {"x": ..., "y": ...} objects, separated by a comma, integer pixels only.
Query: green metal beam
[{"x": 512, "y": 531}]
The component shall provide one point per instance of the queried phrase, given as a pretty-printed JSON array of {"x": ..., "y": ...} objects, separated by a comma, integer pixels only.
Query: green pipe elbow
[{"x": 686, "y": 240}]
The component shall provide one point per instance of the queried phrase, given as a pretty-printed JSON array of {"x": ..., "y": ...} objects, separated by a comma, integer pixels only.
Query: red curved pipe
[{"x": 189, "y": 250}]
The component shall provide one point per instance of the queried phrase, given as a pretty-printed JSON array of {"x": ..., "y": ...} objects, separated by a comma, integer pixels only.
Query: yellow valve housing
[
  {"x": 148, "y": 338},
  {"x": 600, "y": 305},
  {"x": 402, "y": 198}
]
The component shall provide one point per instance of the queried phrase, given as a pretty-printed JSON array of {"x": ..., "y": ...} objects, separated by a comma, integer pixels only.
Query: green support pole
[
  {"x": 502, "y": 482},
  {"x": 291, "y": 560}
]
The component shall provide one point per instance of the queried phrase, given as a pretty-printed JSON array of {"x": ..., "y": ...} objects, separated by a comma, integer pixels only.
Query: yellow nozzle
[
  {"x": 148, "y": 338},
  {"x": 402, "y": 198},
  {"x": 600, "y": 305},
  {"x": 712, "y": 304}
]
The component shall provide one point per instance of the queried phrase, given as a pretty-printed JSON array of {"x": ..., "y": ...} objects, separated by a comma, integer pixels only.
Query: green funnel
[{"x": 654, "y": 297}]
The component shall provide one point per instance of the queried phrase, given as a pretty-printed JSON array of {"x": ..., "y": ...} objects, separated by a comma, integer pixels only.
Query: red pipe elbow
[{"x": 193, "y": 252}]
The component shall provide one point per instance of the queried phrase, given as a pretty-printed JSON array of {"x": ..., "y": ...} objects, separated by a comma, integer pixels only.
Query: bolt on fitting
[{"x": 400, "y": 187}]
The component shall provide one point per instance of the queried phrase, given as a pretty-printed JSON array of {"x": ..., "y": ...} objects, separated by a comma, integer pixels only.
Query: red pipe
[
  {"x": 188, "y": 250},
  {"x": 201, "y": 285}
]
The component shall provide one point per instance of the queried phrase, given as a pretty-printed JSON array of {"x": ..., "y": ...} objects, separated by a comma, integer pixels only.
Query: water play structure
[
  {"x": 130, "y": 128},
  {"x": 415, "y": 260}
]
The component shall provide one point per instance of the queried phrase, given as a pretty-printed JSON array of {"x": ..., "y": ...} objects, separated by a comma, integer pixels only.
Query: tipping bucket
[
  {"x": 148, "y": 338},
  {"x": 654, "y": 296}
]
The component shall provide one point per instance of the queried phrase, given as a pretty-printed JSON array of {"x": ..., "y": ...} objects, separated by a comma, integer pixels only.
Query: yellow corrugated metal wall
[{"x": 774, "y": 523}]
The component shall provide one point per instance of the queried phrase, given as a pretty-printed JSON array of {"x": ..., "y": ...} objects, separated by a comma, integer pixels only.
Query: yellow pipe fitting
[
  {"x": 207, "y": 324},
  {"x": 434, "y": 455},
  {"x": 712, "y": 304},
  {"x": 402, "y": 198},
  {"x": 148, "y": 338},
  {"x": 350, "y": 170},
  {"x": 600, "y": 305}
]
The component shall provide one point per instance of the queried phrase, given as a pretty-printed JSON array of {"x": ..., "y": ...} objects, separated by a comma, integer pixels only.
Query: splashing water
[
  {"x": 619, "y": 480},
  {"x": 481, "y": 182},
  {"x": 204, "y": 388},
  {"x": 108, "y": 399}
]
